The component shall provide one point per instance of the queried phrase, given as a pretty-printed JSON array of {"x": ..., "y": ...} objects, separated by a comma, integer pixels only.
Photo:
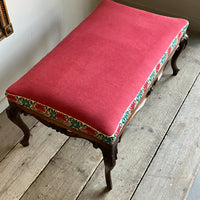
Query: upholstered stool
[{"x": 98, "y": 77}]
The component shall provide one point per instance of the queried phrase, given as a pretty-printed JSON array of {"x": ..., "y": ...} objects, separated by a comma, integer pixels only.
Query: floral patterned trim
[
  {"x": 150, "y": 79},
  {"x": 60, "y": 117},
  {"x": 85, "y": 128}
]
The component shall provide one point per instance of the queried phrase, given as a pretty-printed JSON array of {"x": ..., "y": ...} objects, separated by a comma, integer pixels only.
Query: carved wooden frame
[
  {"x": 6, "y": 28},
  {"x": 109, "y": 151}
]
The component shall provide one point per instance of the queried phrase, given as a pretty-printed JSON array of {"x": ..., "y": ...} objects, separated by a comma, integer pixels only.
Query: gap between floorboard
[{"x": 164, "y": 136}]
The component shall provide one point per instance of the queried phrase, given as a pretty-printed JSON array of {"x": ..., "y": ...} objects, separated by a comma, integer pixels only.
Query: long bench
[{"x": 99, "y": 76}]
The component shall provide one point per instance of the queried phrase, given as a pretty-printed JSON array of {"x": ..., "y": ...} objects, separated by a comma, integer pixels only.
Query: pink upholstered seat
[{"x": 96, "y": 76}]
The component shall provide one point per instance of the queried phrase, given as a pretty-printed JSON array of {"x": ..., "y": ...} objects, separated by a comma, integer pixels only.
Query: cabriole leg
[
  {"x": 182, "y": 46},
  {"x": 110, "y": 157},
  {"x": 13, "y": 114}
]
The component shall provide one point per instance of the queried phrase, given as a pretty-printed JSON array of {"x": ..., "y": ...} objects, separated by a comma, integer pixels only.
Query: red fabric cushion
[{"x": 97, "y": 71}]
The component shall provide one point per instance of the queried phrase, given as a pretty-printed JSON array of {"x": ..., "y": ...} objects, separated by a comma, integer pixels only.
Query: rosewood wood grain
[{"x": 109, "y": 151}]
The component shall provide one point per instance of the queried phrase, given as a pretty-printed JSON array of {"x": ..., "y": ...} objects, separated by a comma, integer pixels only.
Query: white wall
[{"x": 39, "y": 25}]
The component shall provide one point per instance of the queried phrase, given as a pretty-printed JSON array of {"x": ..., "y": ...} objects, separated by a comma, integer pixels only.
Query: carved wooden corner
[
  {"x": 182, "y": 45},
  {"x": 6, "y": 28}
]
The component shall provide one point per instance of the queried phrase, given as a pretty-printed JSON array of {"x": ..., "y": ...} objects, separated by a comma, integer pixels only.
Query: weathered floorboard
[
  {"x": 175, "y": 165},
  {"x": 67, "y": 173},
  {"x": 10, "y": 134},
  {"x": 22, "y": 165},
  {"x": 145, "y": 133}
]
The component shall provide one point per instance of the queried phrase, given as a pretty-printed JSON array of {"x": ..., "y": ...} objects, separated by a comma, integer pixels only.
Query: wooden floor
[{"x": 158, "y": 158}]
